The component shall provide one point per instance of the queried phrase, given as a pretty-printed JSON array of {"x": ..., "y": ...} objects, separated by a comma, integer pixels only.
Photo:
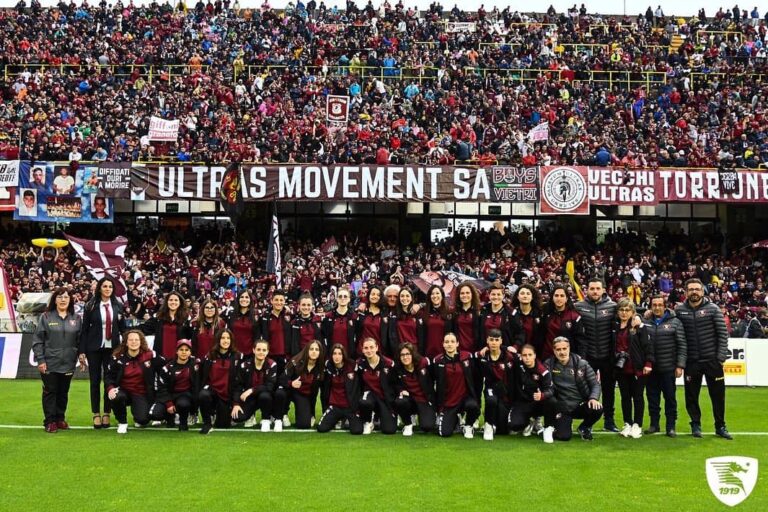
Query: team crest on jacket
[
  {"x": 667, "y": 326},
  {"x": 147, "y": 363},
  {"x": 72, "y": 323},
  {"x": 535, "y": 377},
  {"x": 423, "y": 371},
  {"x": 350, "y": 376},
  {"x": 466, "y": 363},
  {"x": 568, "y": 325},
  {"x": 702, "y": 313},
  {"x": 580, "y": 372}
]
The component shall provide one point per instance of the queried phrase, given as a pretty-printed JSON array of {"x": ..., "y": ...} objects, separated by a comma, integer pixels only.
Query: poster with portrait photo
[
  {"x": 27, "y": 206},
  {"x": 63, "y": 193}
]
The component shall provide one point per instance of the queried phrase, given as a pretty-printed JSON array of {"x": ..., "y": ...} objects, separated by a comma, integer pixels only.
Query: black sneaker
[
  {"x": 723, "y": 432},
  {"x": 207, "y": 427},
  {"x": 586, "y": 433},
  {"x": 610, "y": 426},
  {"x": 671, "y": 433},
  {"x": 696, "y": 430},
  {"x": 653, "y": 429}
]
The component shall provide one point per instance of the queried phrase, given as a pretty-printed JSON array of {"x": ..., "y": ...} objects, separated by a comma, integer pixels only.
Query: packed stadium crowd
[{"x": 81, "y": 82}]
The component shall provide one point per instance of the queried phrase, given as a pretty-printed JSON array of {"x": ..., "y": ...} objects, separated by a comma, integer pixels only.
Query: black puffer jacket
[
  {"x": 640, "y": 345},
  {"x": 705, "y": 332},
  {"x": 669, "y": 345},
  {"x": 595, "y": 342}
]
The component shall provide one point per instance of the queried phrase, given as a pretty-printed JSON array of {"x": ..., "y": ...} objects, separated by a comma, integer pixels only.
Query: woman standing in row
[
  {"x": 55, "y": 345},
  {"x": 102, "y": 322},
  {"x": 560, "y": 320},
  {"x": 169, "y": 325},
  {"x": 243, "y": 324},
  {"x": 438, "y": 321},
  {"x": 466, "y": 319},
  {"x": 206, "y": 327},
  {"x": 373, "y": 322}
]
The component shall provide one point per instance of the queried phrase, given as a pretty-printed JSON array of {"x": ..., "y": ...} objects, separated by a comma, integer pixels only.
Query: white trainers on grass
[
  {"x": 122, "y": 428},
  {"x": 548, "y": 435},
  {"x": 408, "y": 430},
  {"x": 488, "y": 432}
]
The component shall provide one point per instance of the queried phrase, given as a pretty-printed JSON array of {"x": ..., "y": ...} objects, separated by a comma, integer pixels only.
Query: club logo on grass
[{"x": 731, "y": 479}]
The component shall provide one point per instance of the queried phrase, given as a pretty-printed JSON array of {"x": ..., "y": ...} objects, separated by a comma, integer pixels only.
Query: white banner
[
  {"x": 538, "y": 133},
  {"x": 10, "y": 351},
  {"x": 163, "y": 130},
  {"x": 9, "y": 173},
  {"x": 458, "y": 26}
]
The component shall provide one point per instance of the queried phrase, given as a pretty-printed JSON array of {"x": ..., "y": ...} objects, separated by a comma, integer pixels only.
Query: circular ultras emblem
[{"x": 564, "y": 189}]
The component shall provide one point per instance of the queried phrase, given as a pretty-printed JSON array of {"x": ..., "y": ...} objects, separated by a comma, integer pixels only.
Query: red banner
[
  {"x": 564, "y": 191},
  {"x": 686, "y": 185},
  {"x": 622, "y": 187}
]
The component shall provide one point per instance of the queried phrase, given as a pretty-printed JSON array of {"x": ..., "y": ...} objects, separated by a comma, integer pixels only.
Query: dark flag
[
  {"x": 104, "y": 258},
  {"x": 231, "y": 193},
  {"x": 274, "y": 262},
  {"x": 729, "y": 178}
]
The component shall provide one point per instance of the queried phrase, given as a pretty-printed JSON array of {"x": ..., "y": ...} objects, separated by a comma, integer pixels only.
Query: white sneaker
[
  {"x": 312, "y": 422},
  {"x": 122, "y": 428},
  {"x": 265, "y": 425},
  {"x": 636, "y": 432},
  {"x": 175, "y": 419},
  {"x": 538, "y": 428},
  {"x": 339, "y": 425},
  {"x": 278, "y": 426},
  {"x": 250, "y": 422},
  {"x": 549, "y": 435},
  {"x": 469, "y": 432},
  {"x": 367, "y": 428},
  {"x": 286, "y": 421},
  {"x": 488, "y": 432},
  {"x": 626, "y": 431},
  {"x": 193, "y": 420},
  {"x": 156, "y": 423},
  {"x": 476, "y": 424},
  {"x": 528, "y": 430},
  {"x": 408, "y": 430}
]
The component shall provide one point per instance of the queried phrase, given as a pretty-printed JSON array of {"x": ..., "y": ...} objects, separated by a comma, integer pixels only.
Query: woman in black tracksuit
[
  {"x": 438, "y": 320},
  {"x": 257, "y": 388},
  {"x": 169, "y": 325},
  {"x": 218, "y": 382},
  {"x": 341, "y": 392},
  {"x": 533, "y": 388},
  {"x": 304, "y": 374},
  {"x": 130, "y": 380},
  {"x": 414, "y": 389},
  {"x": 377, "y": 374},
  {"x": 495, "y": 365},
  {"x": 177, "y": 387},
  {"x": 103, "y": 320},
  {"x": 454, "y": 388}
]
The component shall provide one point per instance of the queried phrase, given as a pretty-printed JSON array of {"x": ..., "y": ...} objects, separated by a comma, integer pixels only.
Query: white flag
[
  {"x": 540, "y": 132},
  {"x": 163, "y": 130}
]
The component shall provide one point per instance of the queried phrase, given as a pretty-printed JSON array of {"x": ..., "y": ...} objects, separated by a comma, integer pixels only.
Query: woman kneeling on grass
[
  {"x": 55, "y": 347},
  {"x": 415, "y": 390},
  {"x": 377, "y": 374},
  {"x": 258, "y": 389},
  {"x": 177, "y": 386},
  {"x": 304, "y": 373},
  {"x": 131, "y": 380},
  {"x": 455, "y": 392},
  {"x": 218, "y": 382},
  {"x": 341, "y": 392}
]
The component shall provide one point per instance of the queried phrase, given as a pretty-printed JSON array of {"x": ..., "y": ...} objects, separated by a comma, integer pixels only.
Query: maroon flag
[
  {"x": 104, "y": 258},
  {"x": 762, "y": 244},
  {"x": 329, "y": 246}
]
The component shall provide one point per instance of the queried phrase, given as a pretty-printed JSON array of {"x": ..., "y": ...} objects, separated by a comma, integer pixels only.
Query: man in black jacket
[
  {"x": 670, "y": 351},
  {"x": 707, "y": 338}
]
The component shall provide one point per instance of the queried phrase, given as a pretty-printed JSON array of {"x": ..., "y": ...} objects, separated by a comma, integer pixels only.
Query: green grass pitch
[{"x": 159, "y": 469}]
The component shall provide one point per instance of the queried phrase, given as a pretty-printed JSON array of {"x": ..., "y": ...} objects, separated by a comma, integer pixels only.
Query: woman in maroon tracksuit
[
  {"x": 373, "y": 322},
  {"x": 304, "y": 375},
  {"x": 218, "y": 380},
  {"x": 169, "y": 325},
  {"x": 407, "y": 326},
  {"x": 533, "y": 388},
  {"x": 466, "y": 318},
  {"x": 495, "y": 315},
  {"x": 438, "y": 321},
  {"x": 526, "y": 307},
  {"x": 130, "y": 379},
  {"x": 341, "y": 392},
  {"x": 206, "y": 327},
  {"x": 258, "y": 390},
  {"x": 243, "y": 324},
  {"x": 177, "y": 386},
  {"x": 306, "y": 325},
  {"x": 560, "y": 319},
  {"x": 340, "y": 325},
  {"x": 414, "y": 389},
  {"x": 454, "y": 389},
  {"x": 377, "y": 374},
  {"x": 495, "y": 366}
]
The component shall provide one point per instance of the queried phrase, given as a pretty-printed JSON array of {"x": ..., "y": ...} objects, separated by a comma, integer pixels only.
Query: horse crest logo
[{"x": 731, "y": 479}]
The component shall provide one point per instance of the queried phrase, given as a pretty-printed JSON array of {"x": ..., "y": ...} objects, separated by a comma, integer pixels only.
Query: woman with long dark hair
[
  {"x": 304, "y": 373},
  {"x": 455, "y": 389},
  {"x": 243, "y": 323},
  {"x": 103, "y": 320},
  {"x": 208, "y": 324},
  {"x": 438, "y": 321},
  {"x": 169, "y": 325},
  {"x": 373, "y": 322},
  {"x": 218, "y": 381},
  {"x": 341, "y": 392},
  {"x": 560, "y": 319},
  {"x": 55, "y": 347},
  {"x": 466, "y": 318},
  {"x": 407, "y": 325},
  {"x": 414, "y": 390},
  {"x": 306, "y": 325},
  {"x": 526, "y": 310},
  {"x": 131, "y": 379}
]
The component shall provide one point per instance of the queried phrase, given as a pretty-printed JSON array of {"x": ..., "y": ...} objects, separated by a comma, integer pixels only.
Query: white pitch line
[{"x": 311, "y": 431}]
